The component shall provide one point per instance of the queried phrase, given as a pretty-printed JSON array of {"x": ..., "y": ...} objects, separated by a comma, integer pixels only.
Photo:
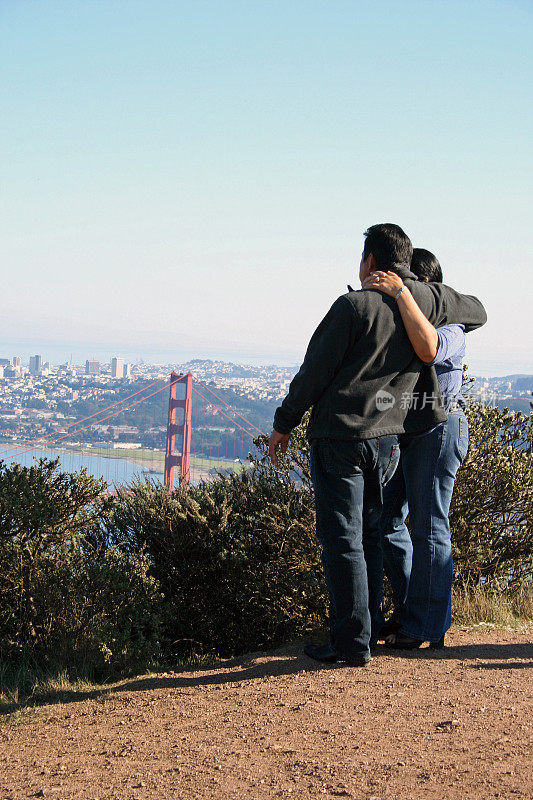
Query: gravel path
[{"x": 450, "y": 724}]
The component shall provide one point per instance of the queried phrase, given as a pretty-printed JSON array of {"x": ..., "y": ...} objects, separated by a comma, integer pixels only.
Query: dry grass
[
  {"x": 477, "y": 604},
  {"x": 26, "y": 684}
]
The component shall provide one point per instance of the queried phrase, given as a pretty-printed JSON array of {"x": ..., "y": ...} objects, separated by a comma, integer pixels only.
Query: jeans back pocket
[
  {"x": 462, "y": 440},
  {"x": 391, "y": 465},
  {"x": 340, "y": 457}
]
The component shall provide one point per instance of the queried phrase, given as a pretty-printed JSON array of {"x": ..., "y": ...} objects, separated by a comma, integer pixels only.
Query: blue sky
[{"x": 194, "y": 178}]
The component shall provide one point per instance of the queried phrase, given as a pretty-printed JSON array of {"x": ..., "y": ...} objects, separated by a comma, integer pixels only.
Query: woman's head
[{"x": 426, "y": 266}]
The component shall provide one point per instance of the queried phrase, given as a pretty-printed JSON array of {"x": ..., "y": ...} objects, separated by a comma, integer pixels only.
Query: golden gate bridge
[{"x": 192, "y": 407}]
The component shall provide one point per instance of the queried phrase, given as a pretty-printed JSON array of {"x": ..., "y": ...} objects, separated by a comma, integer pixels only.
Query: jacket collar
[{"x": 403, "y": 271}]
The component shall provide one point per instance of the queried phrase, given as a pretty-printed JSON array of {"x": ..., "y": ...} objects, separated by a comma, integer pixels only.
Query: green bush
[
  {"x": 492, "y": 508},
  {"x": 67, "y": 598},
  {"x": 236, "y": 560}
]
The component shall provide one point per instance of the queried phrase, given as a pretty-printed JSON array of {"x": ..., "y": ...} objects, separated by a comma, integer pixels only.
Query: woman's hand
[
  {"x": 387, "y": 282},
  {"x": 422, "y": 335}
]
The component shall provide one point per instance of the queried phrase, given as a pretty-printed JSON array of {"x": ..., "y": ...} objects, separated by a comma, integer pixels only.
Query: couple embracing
[{"x": 382, "y": 375}]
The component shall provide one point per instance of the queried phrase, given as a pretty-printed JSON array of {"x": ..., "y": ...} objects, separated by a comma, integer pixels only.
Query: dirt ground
[{"x": 450, "y": 724}]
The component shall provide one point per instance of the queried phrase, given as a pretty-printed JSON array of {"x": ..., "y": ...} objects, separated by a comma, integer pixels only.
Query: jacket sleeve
[
  {"x": 443, "y": 305},
  {"x": 325, "y": 353}
]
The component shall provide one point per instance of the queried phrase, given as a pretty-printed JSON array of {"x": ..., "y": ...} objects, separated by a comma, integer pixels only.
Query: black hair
[
  {"x": 389, "y": 245},
  {"x": 425, "y": 265}
]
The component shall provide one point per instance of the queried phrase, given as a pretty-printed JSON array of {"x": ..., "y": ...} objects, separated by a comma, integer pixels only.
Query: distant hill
[
  {"x": 515, "y": 404},
  {"x": 523, "y": 383}
]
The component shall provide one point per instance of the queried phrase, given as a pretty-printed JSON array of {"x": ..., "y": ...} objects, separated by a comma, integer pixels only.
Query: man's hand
[{"x": 277, "y": 438}]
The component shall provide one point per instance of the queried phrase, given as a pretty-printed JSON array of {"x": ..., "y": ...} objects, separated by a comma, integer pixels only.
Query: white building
[{"x": 117, "y": 367}]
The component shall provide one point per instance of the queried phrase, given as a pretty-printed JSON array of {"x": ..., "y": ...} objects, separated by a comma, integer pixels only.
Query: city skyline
[{"x": 109, "y": 354}]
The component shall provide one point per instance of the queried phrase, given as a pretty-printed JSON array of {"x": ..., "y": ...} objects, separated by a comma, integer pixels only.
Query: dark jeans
[
  {"x": 419, "y": 566},
  {"x": 348, "y": 478}
]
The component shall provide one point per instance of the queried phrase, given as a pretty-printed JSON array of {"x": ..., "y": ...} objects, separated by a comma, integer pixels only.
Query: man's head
[
  {"x": 386, "y": 247},
  {"x": 426, "y": 266}
]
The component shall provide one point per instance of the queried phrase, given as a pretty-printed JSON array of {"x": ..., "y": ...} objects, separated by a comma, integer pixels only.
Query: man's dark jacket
[{"x": 359, "y": 352}]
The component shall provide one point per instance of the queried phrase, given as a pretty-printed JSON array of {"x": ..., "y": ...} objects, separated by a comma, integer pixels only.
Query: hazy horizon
[{"x": 59, "y": 353}]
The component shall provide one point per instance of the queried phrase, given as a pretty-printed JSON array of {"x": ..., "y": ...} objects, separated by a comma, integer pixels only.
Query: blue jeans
[
  {"x": 348, "y": 479},
  {"x": 419, "y": 566}
]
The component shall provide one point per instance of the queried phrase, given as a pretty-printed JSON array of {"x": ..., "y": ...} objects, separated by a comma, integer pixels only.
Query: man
[{"x": 358, "y": 375}]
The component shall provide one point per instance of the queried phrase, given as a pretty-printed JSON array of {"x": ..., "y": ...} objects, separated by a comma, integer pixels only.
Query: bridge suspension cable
[
  {"x": 233, "y": 422},
  {"x": 228, "y": 406},
  {"x": 79, "y": 430},
  {"x": 43, "y": 439}
]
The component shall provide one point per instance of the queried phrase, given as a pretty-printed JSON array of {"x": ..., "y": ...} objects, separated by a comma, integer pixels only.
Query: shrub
[
  {"x": 236, "y": 559},
  {"x": 492, "y": 508},
  {"x": 66, "y": 597}
]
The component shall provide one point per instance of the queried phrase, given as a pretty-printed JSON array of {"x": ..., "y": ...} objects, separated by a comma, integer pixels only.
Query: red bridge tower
[{"x": 181, "y": 428}]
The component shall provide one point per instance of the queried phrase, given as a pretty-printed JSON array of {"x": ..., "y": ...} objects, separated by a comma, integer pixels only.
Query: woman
[{"x": 419, "y": 566}]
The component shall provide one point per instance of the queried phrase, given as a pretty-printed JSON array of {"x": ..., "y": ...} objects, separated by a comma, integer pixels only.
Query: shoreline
[{"x": 156, "y": 459}]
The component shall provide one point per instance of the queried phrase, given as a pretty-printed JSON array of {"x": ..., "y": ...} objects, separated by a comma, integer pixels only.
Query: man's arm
[
  {"x": 443, "y": 305},
  {"x": 325, "y": 353}
]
